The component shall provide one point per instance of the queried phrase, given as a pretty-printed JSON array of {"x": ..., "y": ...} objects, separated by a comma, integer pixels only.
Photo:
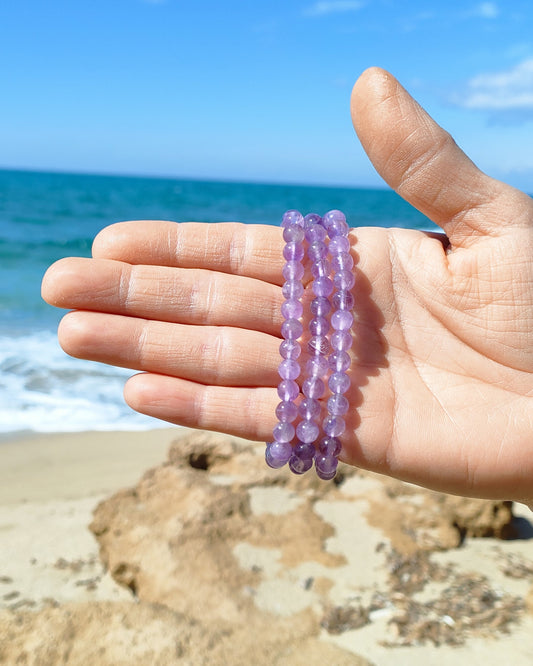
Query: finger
[
  {"x": 217, "y": 355},
  {"x": 244, "y": 412},
  {"x": 167, "y": 294},
  {"x": 425, "y": 166},
  {"x": 249, "y": 250}
]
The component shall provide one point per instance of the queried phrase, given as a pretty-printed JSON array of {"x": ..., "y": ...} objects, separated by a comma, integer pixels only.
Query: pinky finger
[{"x": 243, "y": 412}]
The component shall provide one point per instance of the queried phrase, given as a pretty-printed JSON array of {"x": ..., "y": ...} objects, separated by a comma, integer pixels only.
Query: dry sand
[{"x": 211, "y": 558}]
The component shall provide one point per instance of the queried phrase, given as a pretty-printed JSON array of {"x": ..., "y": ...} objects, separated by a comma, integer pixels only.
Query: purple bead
[
  {"x": 286, "y": 411},
  {"x": 317, "y": 250},
  {"x": 309, "y": 409},
  {"x": 333, "y": 216},
  {"x": 326, "y": 466},
  {"x": 293, "y": 251},
  {"x": 317, "y": 366},
  {"x": 289, "y": 369},
  {"x": 307, "y": 431},
  {"x": 315, "y": 232},
  {"x": 293, "y": 270},
  {"x": 339, "y": 382},
  {"x": 292, "y": 217},
  {"x": 342, "y": 261},
  {"x": 320, "y": 306},
  {"x": 290, "y": 349},
  {"x": 313, "y": 387},
  {"x": 338, "y": 405},
  {"x": 338, "y": 228},
  {"x": 334, "y": 426},
  {"x": 329, "y": 446},
  {"x": 339, "y": 361},
  {"x": 299, "y": 465},
  {"x": 322, "y": 286},
  {"x": 312, "y": 218},
  {"x": 342, "y": 320},
  {"x": 304, "y": 450},
  {"x": 342, "y": 300},
  {"x": 344, "y": 280},
  {"x": 339, "y": 244},
  {"x": 320, "y": 268},
  {"x": 292, "y": 309},
  {"x": 288, "y": 389},
  {"x": 291, "y": 329},
  {"x": 318, "y": 344},
  {"x": 292, "y": 289},
  {"x": 278, "y": 454},
  {"x": 319, "y": 326},
  {"x": 293, "y": 234},
  {"x": 283, "y": 432},
  {"x": 341, "y": 340}
]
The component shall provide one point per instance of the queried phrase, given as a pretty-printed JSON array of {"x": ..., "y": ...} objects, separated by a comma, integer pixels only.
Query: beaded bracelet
[{"x": 329, "y": 361}]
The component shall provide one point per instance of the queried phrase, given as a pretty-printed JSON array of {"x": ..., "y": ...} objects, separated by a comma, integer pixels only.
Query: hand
[{"x": 442, "y": 382}]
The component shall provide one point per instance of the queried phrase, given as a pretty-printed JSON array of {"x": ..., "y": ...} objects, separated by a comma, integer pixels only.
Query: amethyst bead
[
  {"x": 342, "y": 261},
  {"x": 286, "y": 411},
  {"x": 283, "y": 432},
  {"x": 290, "y": 349},
  {"x": 292, "y": 309},
  {"x": 292, "y": 289},
  {"x": 334, "y": 426},
  {"x": 320, "y": 306},
  {"x": 309, "y": 409},
  {"x": 339, "y": 244},
  {"x": 326, "y": 466},
  {"x": 342, "y": 300},
  {"x": 339, "y": 361},
  {"x": 307, "y": 431},
  {"x": 293, "y": 270},
  {"x": 322, "y": 286},
  {"x": 289, "y": 369},
  {"x": 318, "y": 344},
  {"x": 329, "y": 446},
  {"x": 339, "y": 382},
  {"x": 338, "y": 405},
  {"x": 342, "y": 320},
  {"x": 291, "y": 329},
  {"x": 303, "y": 450},
  {"x": 319, "y": 326},
  {"x": 293, "y": 233},
  {"x": 293, "y": 251},
  {"x": 313, "y": 388},
  {"x": 299, "y": 465},
  {"x": 341, "y": 340},
  {"x": 292, "y": 217},
  {"x": 288, "y": 389},
  {"x": 278, "y": 454}
]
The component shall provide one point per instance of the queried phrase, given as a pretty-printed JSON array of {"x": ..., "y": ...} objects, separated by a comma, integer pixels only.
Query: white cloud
[
  {"x": 333, "y": 7},
  {"x": 488, "y": 10},
  {"x": 510, "y": 90}
]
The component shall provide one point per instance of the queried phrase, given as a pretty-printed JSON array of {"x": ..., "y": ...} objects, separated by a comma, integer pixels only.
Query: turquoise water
[{"x": 45, "y": 216}]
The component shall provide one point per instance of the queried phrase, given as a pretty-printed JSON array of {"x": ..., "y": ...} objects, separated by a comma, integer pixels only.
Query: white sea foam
[{"x": 44, "y": 390}]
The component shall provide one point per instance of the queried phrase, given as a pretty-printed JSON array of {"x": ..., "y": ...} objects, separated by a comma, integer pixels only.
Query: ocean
[{"x": 46, "y": 216}]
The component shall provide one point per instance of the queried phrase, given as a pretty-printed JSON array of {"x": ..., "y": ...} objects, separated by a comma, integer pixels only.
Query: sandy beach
[{"x": 173, "y": 546}]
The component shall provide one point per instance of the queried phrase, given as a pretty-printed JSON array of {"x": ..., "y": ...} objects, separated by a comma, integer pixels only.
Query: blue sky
[{"x": 255, "y": 90}]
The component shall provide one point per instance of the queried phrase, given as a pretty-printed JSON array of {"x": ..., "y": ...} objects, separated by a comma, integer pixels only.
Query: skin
[{"x": 442, "y": 377}]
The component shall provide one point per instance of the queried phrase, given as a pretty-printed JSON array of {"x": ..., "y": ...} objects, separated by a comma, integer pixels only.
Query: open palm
[{"x": 442, "y": 379}]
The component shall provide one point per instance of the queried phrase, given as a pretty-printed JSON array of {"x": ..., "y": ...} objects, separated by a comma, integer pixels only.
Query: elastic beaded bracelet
[
  {"x": 279, "y": 451},
  {"x": 326, "y": 459},
  {"x": 328, "y": 354}
]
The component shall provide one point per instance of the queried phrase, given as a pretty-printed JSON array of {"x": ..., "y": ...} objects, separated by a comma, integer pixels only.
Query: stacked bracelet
[{"x": 313, "y": 439}]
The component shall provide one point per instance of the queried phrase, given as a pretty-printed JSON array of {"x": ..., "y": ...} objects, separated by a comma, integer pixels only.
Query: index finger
[{"x": 249, "y": 250}]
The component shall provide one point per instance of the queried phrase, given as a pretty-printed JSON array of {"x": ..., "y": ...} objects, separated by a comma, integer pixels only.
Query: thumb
[{"x": 425, "y": 166}]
